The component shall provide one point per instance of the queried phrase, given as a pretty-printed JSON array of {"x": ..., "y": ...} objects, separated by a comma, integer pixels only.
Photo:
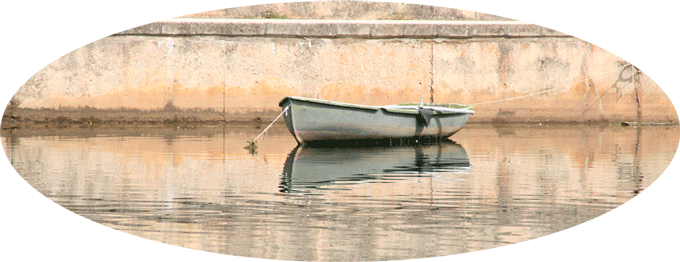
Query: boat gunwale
[{"x": 463, "y": 108}]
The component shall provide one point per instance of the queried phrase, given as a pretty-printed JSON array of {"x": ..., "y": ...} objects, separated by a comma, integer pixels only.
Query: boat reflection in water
[{"x": 321, "y": 166}]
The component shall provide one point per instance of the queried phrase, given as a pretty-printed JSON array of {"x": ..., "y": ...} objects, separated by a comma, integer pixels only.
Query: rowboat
[{"x": 315, "y": 120}]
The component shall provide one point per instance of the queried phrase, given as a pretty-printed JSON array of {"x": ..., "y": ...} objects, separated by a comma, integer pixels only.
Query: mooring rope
[
  {"x": 251, "y": 144},
  {"x": 547, "y": 90},
  {"x": 270, "y": 125}
]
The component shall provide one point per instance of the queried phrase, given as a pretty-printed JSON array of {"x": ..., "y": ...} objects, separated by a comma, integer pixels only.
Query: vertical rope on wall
[{"x": 637, "y": 93}]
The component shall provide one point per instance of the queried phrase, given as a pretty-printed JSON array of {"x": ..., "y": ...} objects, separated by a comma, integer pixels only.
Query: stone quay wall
[{"x": 239, "y": 69}]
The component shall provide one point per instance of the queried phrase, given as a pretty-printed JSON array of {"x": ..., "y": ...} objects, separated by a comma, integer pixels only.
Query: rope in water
[{"x": 547, "y": 90}]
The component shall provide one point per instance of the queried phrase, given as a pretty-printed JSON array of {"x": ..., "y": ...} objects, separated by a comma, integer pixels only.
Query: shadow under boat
[{"x": 316, "y": 167}]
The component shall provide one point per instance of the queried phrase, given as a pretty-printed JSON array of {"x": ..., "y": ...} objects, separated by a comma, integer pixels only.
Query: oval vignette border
[{"x": 643, "y": 219}]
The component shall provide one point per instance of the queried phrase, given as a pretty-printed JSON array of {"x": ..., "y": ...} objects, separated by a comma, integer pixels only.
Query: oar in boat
[
  {"x": 426, "y": 112},
  {"x": 433, "y": 108}
]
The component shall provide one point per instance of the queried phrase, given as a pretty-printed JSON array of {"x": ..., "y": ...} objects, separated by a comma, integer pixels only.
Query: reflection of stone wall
[
  {"x": 245, "y": 67},
  {"x": 540, "y": 174}
]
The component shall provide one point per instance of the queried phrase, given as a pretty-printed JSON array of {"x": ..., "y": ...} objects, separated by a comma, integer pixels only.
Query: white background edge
[{"x": 35, "y": 33}]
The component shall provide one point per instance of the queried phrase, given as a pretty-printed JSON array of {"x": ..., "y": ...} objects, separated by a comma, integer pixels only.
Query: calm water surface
[{"x": 198, "y": 188}]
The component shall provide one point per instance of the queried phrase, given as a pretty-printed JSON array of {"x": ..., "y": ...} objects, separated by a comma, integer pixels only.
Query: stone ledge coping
[{"x": 340, "y": 28}]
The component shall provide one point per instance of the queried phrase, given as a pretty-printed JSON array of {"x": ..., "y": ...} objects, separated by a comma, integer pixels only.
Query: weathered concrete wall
[{"x": 238, "y": 69}]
